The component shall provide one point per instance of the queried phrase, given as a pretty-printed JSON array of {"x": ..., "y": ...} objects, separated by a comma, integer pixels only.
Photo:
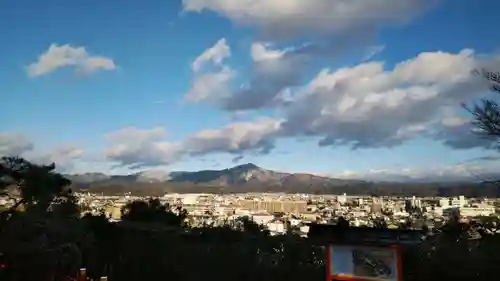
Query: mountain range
[
  {"x": 242, "y": 174},
  {"x": 251, "y": 178}
]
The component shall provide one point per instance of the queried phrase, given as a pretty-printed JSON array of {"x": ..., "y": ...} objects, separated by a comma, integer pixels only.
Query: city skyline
[{"x": 344, "y": 89}]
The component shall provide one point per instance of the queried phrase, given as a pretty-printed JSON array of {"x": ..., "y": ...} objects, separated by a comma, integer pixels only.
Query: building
[
  {"x": 276, "y": 227},
  {"x": 459, "y": 202},
  {"x": 469, "y": 211},
  {"x": 342, "y": 199},
  {"x": 476, "y": 211},
  {"x": 444, "y": 202},
  {"x": 262, "y": 218},
  {"x": 113, "y": 212},
  {"x": 275, "y": 206},
  {"x": 416, "y": 203}
]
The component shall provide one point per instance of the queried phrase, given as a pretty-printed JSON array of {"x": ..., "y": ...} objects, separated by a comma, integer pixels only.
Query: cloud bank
[{"x": 297, "y": 18}]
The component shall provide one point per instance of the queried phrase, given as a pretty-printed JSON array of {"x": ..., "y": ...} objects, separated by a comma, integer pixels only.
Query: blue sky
[{"x": 117, "y": 91}]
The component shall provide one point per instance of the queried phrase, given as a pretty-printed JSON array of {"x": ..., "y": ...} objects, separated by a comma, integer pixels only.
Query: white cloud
[
  {"x": 273, "y": 72},
  {"x": 235, "y": 138},
  {"x": 66, "y": 151},
  {"x": 14, "y": 144},
  {"x": 293, "y": 18},
  {"x": 212, "y": 84},
  {"x": 58, "y": 56},
  {"x": 209, "y": 86},
  {"x": 140, "y": 148},
  {"x": 369, "y": 106},
  {"x": 136, "y": 135},
  {"x": 137, "y": 148},
  {"x": 263, "y": 52},
  {"x": 215, "y": 54},
  {"x": 62, "y": 155},
  {"x": 451, "y": 173},
  {"x": 433, "y": 67}
]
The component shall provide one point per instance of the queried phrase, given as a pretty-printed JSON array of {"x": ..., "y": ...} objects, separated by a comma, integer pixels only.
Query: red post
[
  {"x": 82, "y": 275},
  {"x": 328, "y": 273}
]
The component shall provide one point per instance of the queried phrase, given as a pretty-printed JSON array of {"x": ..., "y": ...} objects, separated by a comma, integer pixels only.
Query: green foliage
[
  {"x": 208, "y": 254},
  {"x": 152, "y": 211},
  {"x": 343, "y": 223},
  {"x": 38, "y": 246},
  {"x": 379, "y": 223},
  {"x": 249, "y": 226},
  {"x": 486, "y": 114},
  {"x": 458, "y": 252},
  {"x": 46, "y": 238},
  {"x": 66, "y": 205},
  {"x": 36, "y": 186}
]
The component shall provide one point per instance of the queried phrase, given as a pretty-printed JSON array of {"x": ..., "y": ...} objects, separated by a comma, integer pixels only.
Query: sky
[{"x": 351, "y": 89}]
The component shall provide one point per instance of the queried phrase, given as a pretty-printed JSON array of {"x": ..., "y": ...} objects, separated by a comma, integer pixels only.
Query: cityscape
[{"x": 280, "y": 213}]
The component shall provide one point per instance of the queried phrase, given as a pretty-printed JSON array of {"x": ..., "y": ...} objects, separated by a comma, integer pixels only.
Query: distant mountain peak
[
  {"x": 247, "y": 166},
  {"x": 244, "y": 175}
]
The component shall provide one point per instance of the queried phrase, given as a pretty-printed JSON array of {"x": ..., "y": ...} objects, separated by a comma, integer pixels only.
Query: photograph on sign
[{"x": 363, "y": 263}]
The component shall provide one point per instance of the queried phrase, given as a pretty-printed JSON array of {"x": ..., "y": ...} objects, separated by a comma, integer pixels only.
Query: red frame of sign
[{"x": 330, "y": 277}]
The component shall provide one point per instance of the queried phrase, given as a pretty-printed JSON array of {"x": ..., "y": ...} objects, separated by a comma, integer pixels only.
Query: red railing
[{"x": 82, "y": 276}]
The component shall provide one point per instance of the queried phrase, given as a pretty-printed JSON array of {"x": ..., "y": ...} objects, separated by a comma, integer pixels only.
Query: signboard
[{"x": 363, "y": 263}]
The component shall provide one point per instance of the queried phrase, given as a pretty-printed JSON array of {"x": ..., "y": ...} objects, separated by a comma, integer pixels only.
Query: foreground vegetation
[{"x": 49, "y": 241}]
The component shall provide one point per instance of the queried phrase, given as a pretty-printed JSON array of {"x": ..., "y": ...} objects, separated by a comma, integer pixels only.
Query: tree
[
  {"x": 152, "y": 211},
  {"x": 40, "y": 242},
  {"x": 30, "y": 185},
  {"x": 486, "y": 114},
  {"x": 342, "y": 223},
  {"x": 379, "y": 223},
  {"x": 249, "y": 226},
  {"x": 66, "y": 205}
]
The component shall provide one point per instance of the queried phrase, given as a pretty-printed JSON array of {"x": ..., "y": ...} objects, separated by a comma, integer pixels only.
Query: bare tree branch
[{"x": 486, "y": 113}]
